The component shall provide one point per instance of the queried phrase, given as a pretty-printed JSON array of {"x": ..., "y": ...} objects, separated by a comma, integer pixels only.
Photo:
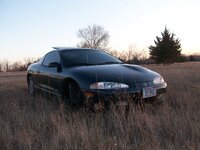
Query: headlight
[
  {"x": 108, "y": 85},
  {"x": 158, "y": 80}
]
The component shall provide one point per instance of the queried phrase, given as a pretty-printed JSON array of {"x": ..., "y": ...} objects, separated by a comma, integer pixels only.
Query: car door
[{"x": 49, "y": 77}]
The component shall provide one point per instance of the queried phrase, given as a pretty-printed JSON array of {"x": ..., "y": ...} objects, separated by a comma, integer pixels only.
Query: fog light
[{"x": 88, "y": 95}]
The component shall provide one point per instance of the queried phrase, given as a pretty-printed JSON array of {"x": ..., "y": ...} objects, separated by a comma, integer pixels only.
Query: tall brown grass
[{"x": 43, "y": 123}]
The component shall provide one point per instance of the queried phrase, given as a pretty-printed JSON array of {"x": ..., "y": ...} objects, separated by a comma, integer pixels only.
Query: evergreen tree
[{"x": 167, "y": 49}]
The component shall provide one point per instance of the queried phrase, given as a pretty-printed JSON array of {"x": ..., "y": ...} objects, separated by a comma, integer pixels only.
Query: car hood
[{"x": 117, "y": 73}]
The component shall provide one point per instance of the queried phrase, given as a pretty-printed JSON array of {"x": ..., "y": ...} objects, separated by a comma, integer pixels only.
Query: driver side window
[{"x": 51, "y": 57}]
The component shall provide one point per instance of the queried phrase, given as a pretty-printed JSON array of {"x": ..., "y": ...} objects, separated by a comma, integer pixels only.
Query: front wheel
[{"x": 73, "y": 96}]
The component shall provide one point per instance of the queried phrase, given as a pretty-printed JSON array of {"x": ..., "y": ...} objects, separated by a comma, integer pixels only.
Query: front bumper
[{"x": 106, "y": 97}]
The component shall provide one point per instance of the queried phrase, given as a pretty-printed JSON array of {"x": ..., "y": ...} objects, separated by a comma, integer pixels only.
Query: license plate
[{"x": 149, "y": 92}]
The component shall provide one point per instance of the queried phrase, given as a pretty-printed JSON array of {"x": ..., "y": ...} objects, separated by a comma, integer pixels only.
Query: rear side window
[{"x": 51, "y": 57}]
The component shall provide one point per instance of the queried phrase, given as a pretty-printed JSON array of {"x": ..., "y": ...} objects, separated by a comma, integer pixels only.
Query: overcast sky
[{"x": 29, "y": 28}]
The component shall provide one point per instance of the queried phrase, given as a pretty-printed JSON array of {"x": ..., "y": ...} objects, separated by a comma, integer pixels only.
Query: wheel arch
[
  {"x": 65, "y": 84},
  {"x": 66, "y": 88},
  {"x": 28, "y": 76}
]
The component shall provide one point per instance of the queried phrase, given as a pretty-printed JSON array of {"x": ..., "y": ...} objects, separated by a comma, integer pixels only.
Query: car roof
[{"x": 71, "y": 48}]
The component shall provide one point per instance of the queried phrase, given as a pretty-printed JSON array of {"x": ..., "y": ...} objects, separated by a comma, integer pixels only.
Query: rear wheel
[{"x": 31, "y": 87}]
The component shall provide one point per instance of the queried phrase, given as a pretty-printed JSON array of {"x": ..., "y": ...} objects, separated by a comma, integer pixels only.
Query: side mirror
[
  {"x": 57, "y": 65},
  {"x": 54, "y": 64}
]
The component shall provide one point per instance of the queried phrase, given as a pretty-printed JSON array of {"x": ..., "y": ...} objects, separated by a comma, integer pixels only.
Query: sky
[{"x": 29, "y": 28}]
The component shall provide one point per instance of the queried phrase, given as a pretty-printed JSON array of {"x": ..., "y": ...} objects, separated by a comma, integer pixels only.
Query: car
[{"x": 94, "y": 78}]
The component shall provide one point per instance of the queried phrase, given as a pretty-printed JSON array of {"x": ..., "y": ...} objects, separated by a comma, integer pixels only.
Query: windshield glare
[{"x": 87, "y": 57}]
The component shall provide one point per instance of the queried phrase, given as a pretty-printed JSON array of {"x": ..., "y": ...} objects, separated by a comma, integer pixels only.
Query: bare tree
[
  {"x": 16, "y": 66},
  {"x": 6, "y": 64},
  {"x": 28, "y": 61},
  {"x": 1, "y": 66},
  {"x": 129, "y": 54},
  {"x": 93, "y": 37},
  {"x": 114, "y": 52},
  {"x": 133, "y": 55}
]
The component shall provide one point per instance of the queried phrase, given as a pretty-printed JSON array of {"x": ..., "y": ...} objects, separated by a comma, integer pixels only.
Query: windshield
[{"x": 87, "y": 57}]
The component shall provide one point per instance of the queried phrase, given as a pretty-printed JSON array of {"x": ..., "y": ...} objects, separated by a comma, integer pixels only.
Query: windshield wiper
[{"x": 110, "y": 62}]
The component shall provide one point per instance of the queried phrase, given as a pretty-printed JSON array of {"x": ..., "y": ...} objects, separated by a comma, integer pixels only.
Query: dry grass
[{"x": 42, "y": 123}]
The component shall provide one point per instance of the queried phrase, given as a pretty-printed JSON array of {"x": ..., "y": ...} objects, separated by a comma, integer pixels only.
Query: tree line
[{"x": 7, "y": 66}]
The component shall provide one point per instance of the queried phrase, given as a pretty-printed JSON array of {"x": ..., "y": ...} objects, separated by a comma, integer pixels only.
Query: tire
[
  {"x": 31, "y": 86},
  {"x": 74, "y": 95}
]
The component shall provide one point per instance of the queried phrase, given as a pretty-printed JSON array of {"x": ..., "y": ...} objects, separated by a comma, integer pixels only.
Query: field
[{"x": 45, "y": 123}]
